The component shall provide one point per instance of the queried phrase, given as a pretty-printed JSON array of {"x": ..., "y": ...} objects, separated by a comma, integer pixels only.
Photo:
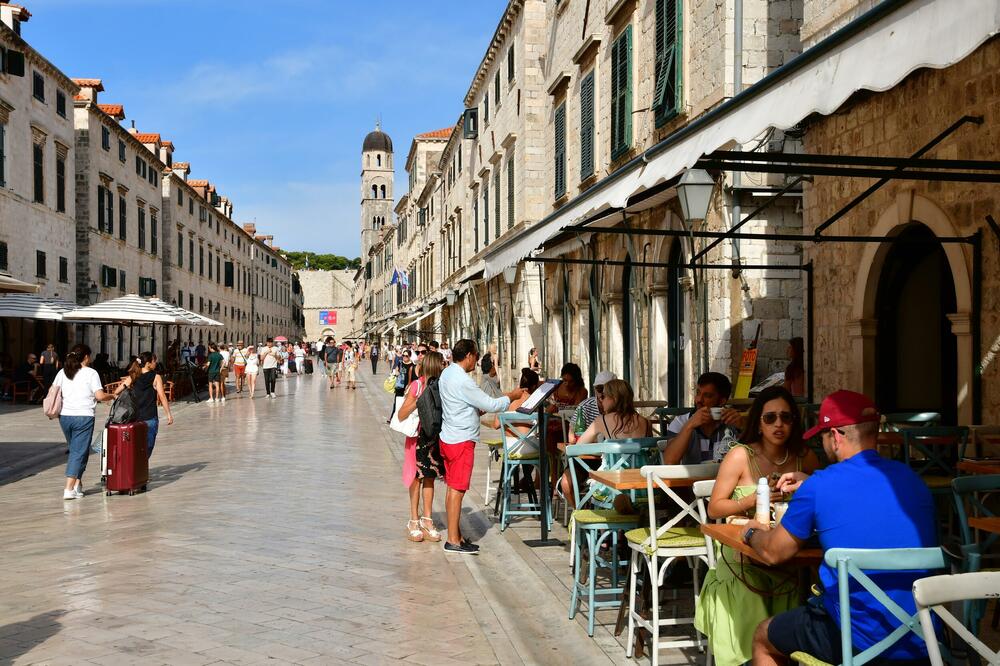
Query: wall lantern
[{"x": 695, "y": 193}]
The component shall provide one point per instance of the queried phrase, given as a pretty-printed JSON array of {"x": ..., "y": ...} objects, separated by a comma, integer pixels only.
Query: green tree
[{"x": 322, "y": 262}]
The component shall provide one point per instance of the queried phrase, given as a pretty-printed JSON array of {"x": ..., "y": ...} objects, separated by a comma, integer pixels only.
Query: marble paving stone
[{"x": 273, "y": 532}]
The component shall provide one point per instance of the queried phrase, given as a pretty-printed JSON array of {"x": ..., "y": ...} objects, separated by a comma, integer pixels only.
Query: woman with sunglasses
[{"x": 737, "y": 594}]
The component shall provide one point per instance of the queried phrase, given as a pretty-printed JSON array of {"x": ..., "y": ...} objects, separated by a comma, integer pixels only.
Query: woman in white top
[
  {"x": 81, "y": 390},
  {"x": 253, "y": 365}
]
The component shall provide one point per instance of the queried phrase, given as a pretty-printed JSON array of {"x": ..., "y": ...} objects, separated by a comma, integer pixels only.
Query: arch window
[
  {"x": 378, "y": 160},
  {"x": 374, "y": 191},
  {"x": 383, "y": 191}
]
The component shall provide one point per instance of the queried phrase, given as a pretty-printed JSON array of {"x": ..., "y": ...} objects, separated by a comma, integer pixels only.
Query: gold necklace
[{"x": 776, "y": 464}]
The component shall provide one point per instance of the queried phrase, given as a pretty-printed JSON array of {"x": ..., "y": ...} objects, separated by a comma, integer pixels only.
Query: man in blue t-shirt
[{"x": 862, "y": 501}]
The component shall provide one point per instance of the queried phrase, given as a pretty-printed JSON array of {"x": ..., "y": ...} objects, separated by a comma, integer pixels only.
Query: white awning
[
  {"x": 193, "y": 318},
  {"x": 875, "y": 56},
  {"x": 33, "y": 306},
  {"x": 423, "y": 316},
  {"x": 131, "y": 309},
  {"x": 9, "y": 285}
]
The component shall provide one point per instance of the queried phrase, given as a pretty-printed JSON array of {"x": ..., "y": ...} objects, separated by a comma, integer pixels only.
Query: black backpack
[
  {"x": 123, "y": 408},
  {"x": 429, "y": 409}
]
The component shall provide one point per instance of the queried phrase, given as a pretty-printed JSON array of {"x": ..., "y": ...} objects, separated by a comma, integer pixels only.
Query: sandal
[
  {"x": 428, "y": 527},
  {"x": 414, "y": 532}
]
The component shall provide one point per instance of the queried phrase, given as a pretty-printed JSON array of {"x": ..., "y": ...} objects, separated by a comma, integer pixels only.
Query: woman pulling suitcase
[{"x": 147, "y": 391}]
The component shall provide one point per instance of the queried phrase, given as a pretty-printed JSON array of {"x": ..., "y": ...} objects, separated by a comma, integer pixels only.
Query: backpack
[
  {"x": 429, "y": 409},
  {"x": 123, "y": 408}
]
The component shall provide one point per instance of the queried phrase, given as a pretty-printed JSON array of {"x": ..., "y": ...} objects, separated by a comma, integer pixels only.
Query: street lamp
[
  {"x": 510, "y": 274},
  {"x": 695, "y": 193},
  {"x": 450, "y": 296},
  {"x": 93, "y": 293}
]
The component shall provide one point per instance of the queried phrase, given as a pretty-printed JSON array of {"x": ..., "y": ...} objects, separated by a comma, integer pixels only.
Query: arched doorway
[{"x": 915, "y": 349}]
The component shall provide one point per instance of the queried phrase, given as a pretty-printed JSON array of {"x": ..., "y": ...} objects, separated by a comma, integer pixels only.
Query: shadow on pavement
[
  {"x": 22, "y": 637},
  {"x": 8, "y": 408},
  {"x": 21, "y": 459},
  {"x": 167, "y": 474}
]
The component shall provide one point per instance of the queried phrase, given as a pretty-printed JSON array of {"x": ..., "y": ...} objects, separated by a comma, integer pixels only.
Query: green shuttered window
[
  {"x": 510, "y": 192},
  {"x": 486, "y": 212},
  {"x": 559, "y": 165},
  {"x": 496, "y": 201},
  {"x": 587, "y": 126},
  {"x": 621, "y": 94},
  {"x": 667, "y": 94}
]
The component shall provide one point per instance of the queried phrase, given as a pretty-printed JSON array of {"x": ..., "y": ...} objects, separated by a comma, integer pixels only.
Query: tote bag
[
  {"x": 52, "y": 404},
  {"x": 407, "y": 426}
]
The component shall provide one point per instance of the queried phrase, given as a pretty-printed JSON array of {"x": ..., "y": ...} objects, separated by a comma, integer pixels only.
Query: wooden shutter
[
  {"x": 39, "y": 162},
  {"x": 666, "y": 98},
  {"x": 109, "y": 218},
  {"x": 621, "y": 93},
  {"x": 587, "y": 126},
  {"x": 100, "y": 208},
  {"x": 560, "y": 151},
  {"x": 486, "y": 213},
  {"x": 475, "y": 223},
  {"x": 3, "y": 155},
  {"x": 510, "y": 192},
  {"x": 122, "y": 218},
  {"x": 496, "y": 200}
]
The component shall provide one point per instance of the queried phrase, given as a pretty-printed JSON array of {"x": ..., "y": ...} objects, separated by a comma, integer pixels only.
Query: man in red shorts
[{"x": 462, "y": 405}]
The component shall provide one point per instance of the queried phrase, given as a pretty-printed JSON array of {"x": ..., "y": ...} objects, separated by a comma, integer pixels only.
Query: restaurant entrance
[{"x": 916, "y": 351}]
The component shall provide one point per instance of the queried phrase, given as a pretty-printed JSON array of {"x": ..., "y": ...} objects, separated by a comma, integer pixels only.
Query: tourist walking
[
  {"x": 405, "y": 372},
  {"x": 213, "y": 365},
  {"x": 147, "y": 392},
  {"x": 350, "y": 366},
  {"x": 300, "y": 359},
  {"x": 373, "y": 353},
  {"x": 330, "y": 356},
  {"x": 239, "y": 357},
  {"x": 49, "y": 364},
  {"x": 422, "y": 455},
  {"x": 269, "y": 359},
  {"x": 224, "y": 369},
  {"x": 252, "y": 368},
  {"x": 81, "y": 390},
  {"x": 462, "y": 402}
]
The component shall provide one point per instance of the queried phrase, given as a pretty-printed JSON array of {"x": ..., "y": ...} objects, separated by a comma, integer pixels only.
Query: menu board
[{"x": 541, "y": 394}]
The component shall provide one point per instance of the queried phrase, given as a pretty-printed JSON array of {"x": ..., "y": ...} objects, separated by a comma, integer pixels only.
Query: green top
[{"x": 214, "y": 362}]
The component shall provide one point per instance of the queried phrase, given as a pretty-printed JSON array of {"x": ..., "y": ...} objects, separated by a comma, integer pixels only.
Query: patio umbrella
[
  {"x": 191, "y": 318},
  {"x": 281, "y": 338},
  {"x": 33, "y": 306},
  {"x": 130, "y": 309},
  {"x": 9, "y": 285}
]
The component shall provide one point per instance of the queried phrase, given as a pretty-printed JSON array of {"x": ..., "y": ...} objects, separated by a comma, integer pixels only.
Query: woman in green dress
[{"x": 738, "y": 594}]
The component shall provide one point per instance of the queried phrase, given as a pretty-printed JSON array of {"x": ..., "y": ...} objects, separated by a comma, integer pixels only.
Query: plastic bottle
[{"x": 763, "y": 512}]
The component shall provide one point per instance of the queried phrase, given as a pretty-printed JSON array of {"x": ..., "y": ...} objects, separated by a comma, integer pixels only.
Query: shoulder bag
[{"x": 52, "y": 404}]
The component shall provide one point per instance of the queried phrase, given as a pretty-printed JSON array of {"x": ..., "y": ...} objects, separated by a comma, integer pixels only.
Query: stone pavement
[{"x": 273, "y": 530}]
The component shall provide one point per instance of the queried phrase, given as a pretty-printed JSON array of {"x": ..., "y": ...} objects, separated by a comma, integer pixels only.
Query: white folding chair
[
  {"x": 935, "y": 592},
  {"x": 659, "y": 545}
]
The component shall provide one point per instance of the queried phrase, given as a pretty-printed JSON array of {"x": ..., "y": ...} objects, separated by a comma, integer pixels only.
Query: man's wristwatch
[{"x": 748, "y": 535}]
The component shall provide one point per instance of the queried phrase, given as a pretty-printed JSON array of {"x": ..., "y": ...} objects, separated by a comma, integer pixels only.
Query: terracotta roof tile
[
  {"x": 182, "y": 165},
  {"x": 23, "y": 15},
  {"x": 147, "y": 137},
  {"x": 116, "y": 111},
  {"x": 90, "y": 83},
  {"x": 167, "y": 144},
  {"x": 198, "y": 182},
  {"x": 437, "y": 134}
]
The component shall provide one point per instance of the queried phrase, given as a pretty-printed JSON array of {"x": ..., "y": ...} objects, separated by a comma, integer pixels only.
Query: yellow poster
[{"x": 745, "y": 379}]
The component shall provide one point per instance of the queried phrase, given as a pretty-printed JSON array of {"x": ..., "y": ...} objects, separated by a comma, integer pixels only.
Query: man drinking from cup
[{"x": 709, "y": 431}]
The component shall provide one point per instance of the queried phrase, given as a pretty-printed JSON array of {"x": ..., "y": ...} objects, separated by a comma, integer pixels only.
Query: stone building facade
[
  {"x": 37, "y": 154},
  {"x": 328, "y": 303},
  {"x": 90, "y": 210}
]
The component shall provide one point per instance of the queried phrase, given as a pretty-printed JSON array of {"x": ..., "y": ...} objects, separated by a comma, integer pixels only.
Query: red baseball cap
[{"x": 843, "y": 408}]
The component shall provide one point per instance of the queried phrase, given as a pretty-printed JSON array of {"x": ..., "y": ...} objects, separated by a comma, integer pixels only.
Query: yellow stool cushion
[
  {"x": 675, "y": 537},
  {"x": 585, "y": 516},
  {"x": 933, "y": 481},
  {"x": 808, "y": 660}
]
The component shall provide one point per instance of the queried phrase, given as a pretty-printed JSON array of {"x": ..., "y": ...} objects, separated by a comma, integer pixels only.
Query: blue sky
[{"x": 271, "y": 100}]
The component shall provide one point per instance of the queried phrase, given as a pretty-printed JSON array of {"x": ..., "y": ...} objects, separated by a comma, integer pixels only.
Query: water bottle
[{"x": 763, "y": 513}]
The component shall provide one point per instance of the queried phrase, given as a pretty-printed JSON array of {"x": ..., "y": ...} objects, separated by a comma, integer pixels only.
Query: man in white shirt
[
  {"x": 269, "y": 358},
  {"x": 224, "y": 369},
  {"x": 462, "y": 403},
  {"x": 701, "y": 436}
]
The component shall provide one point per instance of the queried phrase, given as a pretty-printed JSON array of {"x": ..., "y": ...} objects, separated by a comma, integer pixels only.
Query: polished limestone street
[{"x": 274, "y": 530}]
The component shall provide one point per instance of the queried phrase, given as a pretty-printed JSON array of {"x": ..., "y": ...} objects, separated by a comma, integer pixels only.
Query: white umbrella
[
  {"x": 10, "y": 285},
  {"x": 130, "y": 309},
  {"x": 191, "y": 318},
  {"x": 33, "y": 306}
]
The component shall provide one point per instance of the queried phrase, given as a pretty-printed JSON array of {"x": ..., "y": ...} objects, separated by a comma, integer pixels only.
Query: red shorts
[
  {"x": 239, "y": 370},
  {"x": 458, "y": 460}
]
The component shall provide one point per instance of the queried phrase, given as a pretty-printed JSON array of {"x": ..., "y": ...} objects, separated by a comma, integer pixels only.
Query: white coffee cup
[
  {"x": 779, "y": 511},
  {"x": 716, "y": 413}
]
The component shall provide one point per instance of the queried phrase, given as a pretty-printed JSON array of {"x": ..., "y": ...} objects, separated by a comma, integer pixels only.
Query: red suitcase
[{"x": 128, "y": 465}]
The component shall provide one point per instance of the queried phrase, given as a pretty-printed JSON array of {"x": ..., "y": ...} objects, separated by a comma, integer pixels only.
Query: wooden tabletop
[
  {"x": 632, "y": 479},
  {"x": 979, "y": 466},
  {"x": 732, "y": 536},
  {"x": 986, "y": 524}
]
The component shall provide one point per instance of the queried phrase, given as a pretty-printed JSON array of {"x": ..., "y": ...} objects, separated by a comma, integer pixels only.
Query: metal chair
[
  {"x": 659, "y": 546},
  {"x": 851, "y": 563},
  {"x": 965, "y": 490},
  {"x": 938, "y": 449},
  {"x": 514, "y": 459},
  {"x": 596, "y": 526},
  {"x": 935, "y": 592},
  {"x": 495, "y": 447},
  {"x": 664, "y": 415},
  {"x": 898, "y": 421}
]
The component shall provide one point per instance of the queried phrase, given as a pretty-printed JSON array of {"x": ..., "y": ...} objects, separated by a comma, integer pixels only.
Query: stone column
[
  {"x": 613, "y": 334},
  {"x": 581, "y": 343},
  {"x": 861, "y": 373},
  {"x": 660, "y": 334},
  {"x": 961, "y": 327}
]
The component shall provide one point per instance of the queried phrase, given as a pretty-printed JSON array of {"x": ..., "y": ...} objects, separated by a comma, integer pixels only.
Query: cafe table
[
  {"x": 732, "y": 535},
  {"x": 989, "y": 524},
  {"x": 972, "y": 466},
  {"x": 632, "y": 479}
]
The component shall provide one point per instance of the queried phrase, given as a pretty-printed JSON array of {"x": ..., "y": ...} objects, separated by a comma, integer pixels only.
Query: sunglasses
[
  {"x": 421, "y": 352},
  {"x": 770, "y": 418}
]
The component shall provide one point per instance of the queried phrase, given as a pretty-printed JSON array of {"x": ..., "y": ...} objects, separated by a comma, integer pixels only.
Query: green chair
[
  {"x": 594, "y": 526},
  {"x": 899, "y": 421},
  {"x": 658, "y": 546},
  {"x": 934, "y": 593},
  {"x": 933, "y": 452},
  {"x": 968, "y": 504},
  {"x": 851, "y": 563},
  {"x": 520, "y": 449},
  {"x": 664, "y": 415}
]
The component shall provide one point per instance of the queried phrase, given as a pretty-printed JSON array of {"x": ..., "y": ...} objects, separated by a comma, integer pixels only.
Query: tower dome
[{"x": 377, "y": 140}]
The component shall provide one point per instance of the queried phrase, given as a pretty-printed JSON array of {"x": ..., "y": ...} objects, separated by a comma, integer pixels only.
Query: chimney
[
  {"x": 181, "y": 170},
  {"x": 250, "y": 228},
  {"x": 167, "y": 153},
  {"x": 89, "y": 89},
  {"x": 13, "y": 16}
]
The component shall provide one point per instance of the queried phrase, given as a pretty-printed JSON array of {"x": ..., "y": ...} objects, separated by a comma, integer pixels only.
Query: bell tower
[{"x": 376, "y": 187}]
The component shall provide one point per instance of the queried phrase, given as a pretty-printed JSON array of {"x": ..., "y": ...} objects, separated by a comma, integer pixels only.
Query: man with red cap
[{"x": 861, "y": 501}]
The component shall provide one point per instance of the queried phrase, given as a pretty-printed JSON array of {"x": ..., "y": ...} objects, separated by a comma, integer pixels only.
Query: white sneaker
[
  {"x": 223, "y": 399},
  {"x": 71, "y": 494},
  {"x": 210, "y": 401},
  {"x": 78, "y": 491}
]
